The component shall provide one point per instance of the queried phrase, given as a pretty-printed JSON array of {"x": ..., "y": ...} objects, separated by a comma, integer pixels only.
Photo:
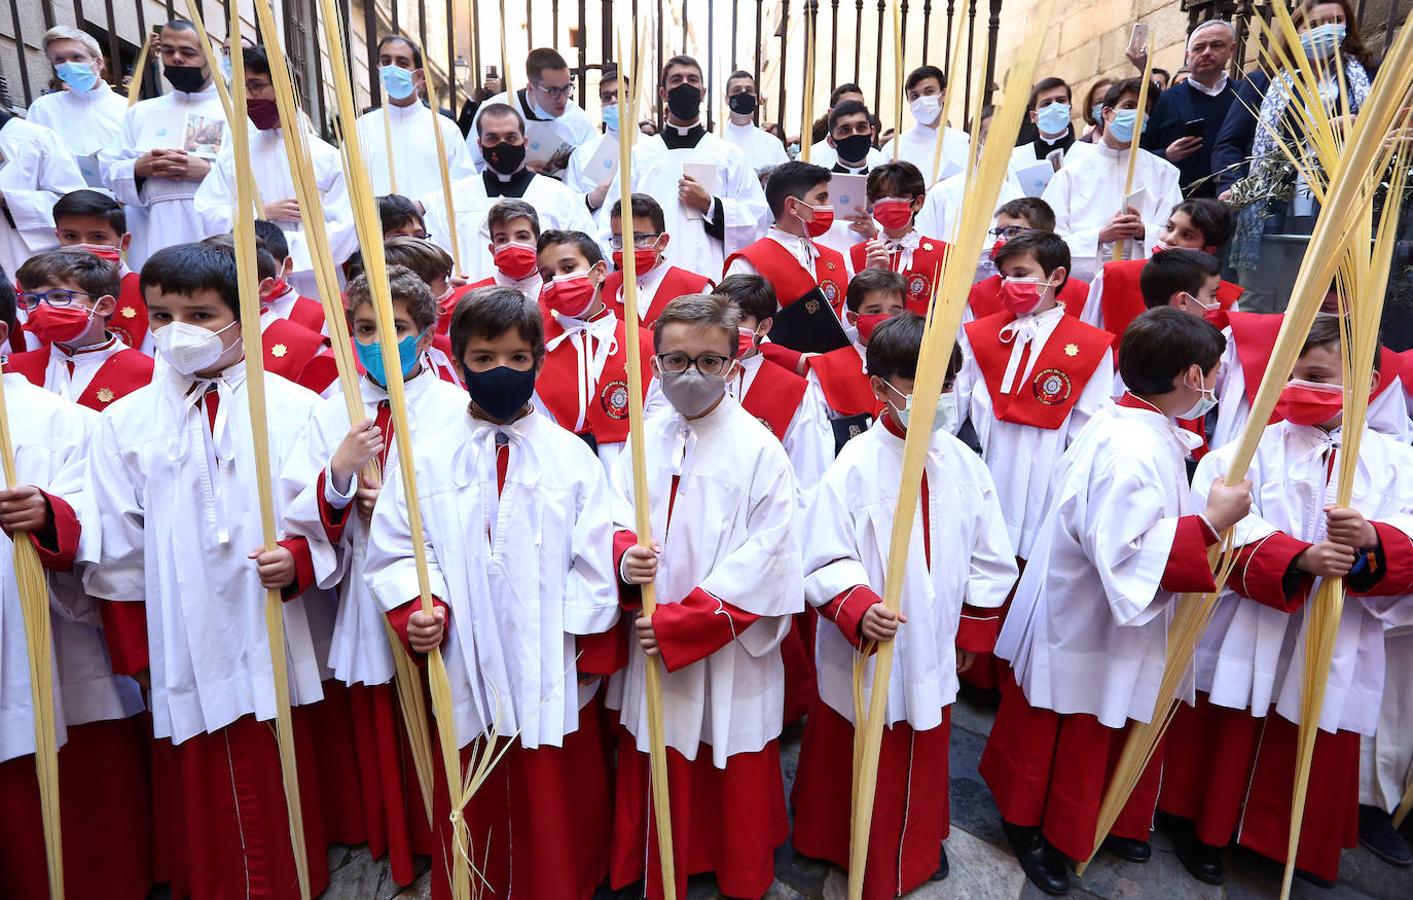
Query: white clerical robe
[
  {"x": 1252, "y": 656},
  {"x": 656, "y": 172},
  {"x": 918, "y": 145},
  {"x": 734, "y": 534},
  {"x": 941, "y": 212},
  {"x": 215, "y": 199},
  {"x": 179, "y": 516},
  {"x": 414, "y": 163},
  {"x": 50, "y": 437},
  {"x": 1386, "y": 758},
  {"x": 359, "y": 653},
  {"x": 170, "y": 215},
  {"x": 558, "y": 207},
  {"x": 849, "y": 527},
  {"x": 35, "y": 171},
  {"x": 576, "y": 173},
  {"x": 88, "y": 121},
  {"x": 575, "y": 128},
  {"x": 809, "y": 441},
  {"x": 763, "y": 150},
  {"x": 1088, "y": 627},
  {"x": 523, "y": 571},
  {"x": 1088, "y": 191}
]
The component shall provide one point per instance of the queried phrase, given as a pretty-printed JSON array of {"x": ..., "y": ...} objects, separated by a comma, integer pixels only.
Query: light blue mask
[
  {"x": 1096, "y": 112},
  {"x": 78, "y": 76},
  {"x": 371, "y": 355},
  {"x": 1054, "y": 118},
  {"x": 610, "y": 118},
  {"x": 1320, "y": 42},
  {"x": 226, "y": 67},
  {"x": 397, "y": 81},
  {"x": 1123, "y": 124}
]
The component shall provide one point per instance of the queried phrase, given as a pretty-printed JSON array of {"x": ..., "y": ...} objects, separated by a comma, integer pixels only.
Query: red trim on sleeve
[
  {"x": 399, "y": 617},
  {"x": 1395, "y": 552},
  {"x": 630, "y": 596},
  {"x": 603, "y": 653},
  {"x": 1188, "y": 569},
  {"x": 696, "y": 628},
  {"x": 57, "y": 544},
  {"x": 977, "y": 630},
  {"x": 847, "y": 615},
  {"x": 125, "y": 632},
  {"x": 303, "y": 567},
  {"x": 1265, "y": 572},
  {"x": 333, "y": 520}
]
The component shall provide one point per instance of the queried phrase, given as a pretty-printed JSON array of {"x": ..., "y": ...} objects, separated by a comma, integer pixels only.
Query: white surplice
[
  {"x": 733, "y": 534},
  {"x": 180, "y": 514},
  {"x": 414, "y": 163},
  {"x": 918, "y": 145},
  {"x": 35, "y": 171},
  {"x": 1089, "y": 190},
  {"x": 847, "y": 540},
  {"x": 763, "y": 150},
  {"x": 1252, "y": 656},
  {"x": 809, "y": 441},
  {"x": 88, "y": 121},
  {"x": 1387, "y": 757},
  {"x": 522, "y": 572},
  {"x": 1088, "y": 627}
]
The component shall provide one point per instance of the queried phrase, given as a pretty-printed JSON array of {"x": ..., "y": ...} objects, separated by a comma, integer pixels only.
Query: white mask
[
  {"x": 1205, "y": 402},
  {"x": 189, "y": 348},
  {"x": 926, "y": 109}
]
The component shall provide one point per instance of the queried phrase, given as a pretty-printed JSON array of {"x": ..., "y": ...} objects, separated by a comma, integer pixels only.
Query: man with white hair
[
  {"x": 1189, "y": 115},
  {"x": 87, "y": 113}
]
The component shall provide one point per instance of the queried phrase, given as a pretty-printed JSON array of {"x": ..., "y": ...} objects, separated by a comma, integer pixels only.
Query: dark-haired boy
[
  {"x": 583, "y": 384},
  {"x": 895, "y": 194},
  {"x": 1087, "y": 630},
  {"x": 277, "y": 293},
  {"x": 70, "y": 296},
  {"x": 514, "y": 227},
  {"x": 1200, "y": 225},
  {"x": 93, "y": 221},
  {"x": 926, "y": 92},
  {"x": 953, "y": 585},
  {"x": 1013, "y": 218},
  {"x": 172, "y": 470},
  {"x": 519, "y": 495},
  {"x": 400, "y": 216},
  {"x": 658, "y": 280},
  {"x": 1229, "y": 762}
]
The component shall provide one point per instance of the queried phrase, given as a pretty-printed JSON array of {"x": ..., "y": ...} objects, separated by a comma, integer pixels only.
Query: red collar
[
  {"x": 892, "y": 426},
  {"x": 1129, "y": 401}
]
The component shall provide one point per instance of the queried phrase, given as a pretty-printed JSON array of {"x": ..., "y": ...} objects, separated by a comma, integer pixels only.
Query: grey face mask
[{"x": 691, "y": 393}]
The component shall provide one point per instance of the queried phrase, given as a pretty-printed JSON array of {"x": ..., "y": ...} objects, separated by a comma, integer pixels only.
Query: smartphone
[
  {"x": 1194, "y": 127},
  {"x": 491, "y": 72},
  {"x": 1138, "y": 38}
]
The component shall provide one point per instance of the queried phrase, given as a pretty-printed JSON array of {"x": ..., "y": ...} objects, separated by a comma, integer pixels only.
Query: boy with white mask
[
  {"x": 926, "y": 89},
  {"x": 88, "y": 113}
]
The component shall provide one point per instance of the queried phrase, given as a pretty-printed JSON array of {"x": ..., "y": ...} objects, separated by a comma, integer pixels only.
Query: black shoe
[
  {"x": 1314, "y": 879},
  {"x": 1044, "y": 866},
  {"x": 1128, "y": 848},
  {"x": 1377, "y": 834},
  {"x": 944, "y": 868},
  {"x": 1202, "y": 861}
]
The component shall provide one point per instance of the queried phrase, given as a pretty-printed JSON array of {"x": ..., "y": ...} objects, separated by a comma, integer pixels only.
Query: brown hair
[
  {"x": 490, "y": 312},
  {"x": 94, "y": 276},
  {"x": 423, "y": 257},
  {"x": 699, "y": 311},
  {"x": 405, "y": 285}
]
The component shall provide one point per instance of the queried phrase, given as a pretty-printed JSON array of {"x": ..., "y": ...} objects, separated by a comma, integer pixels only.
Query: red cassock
[
  {"x": 792, "y": 281},
  {"x": 1122, "y": 299},
  {"x": 922, "y": 272},
  {"x": 606, "y": 407},
  {"x": 122, "y": 373},
  {"x": 299, "y": 355},
  {"x": 985, "y": 297},
  {"x": 675, "y": 283},
  {"x": 309, "y": 313},
  {"x": 129, "y": 320}
]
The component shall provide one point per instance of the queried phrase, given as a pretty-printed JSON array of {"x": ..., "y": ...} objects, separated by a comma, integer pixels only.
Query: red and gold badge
[
  {"x": 614, "y": 399},
  {"x": 1052, "y": 386}
]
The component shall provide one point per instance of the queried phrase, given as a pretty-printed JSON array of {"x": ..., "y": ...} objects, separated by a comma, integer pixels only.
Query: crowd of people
[{"x": 1073, "y": 487}]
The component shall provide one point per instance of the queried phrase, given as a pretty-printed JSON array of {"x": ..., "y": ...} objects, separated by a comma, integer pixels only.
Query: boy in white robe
[
  {"x": 723, "y": 512},
  {"x": 1231, "y": 755},
  {"x": 36, "y": 171},
  {"x": 172, "y": 471},
  {"x": 515, "y": 514},
  {"x": 88, "y": 112},
  {"x": 926, "y": 92},
  {"x": 960, "y": 568},
  {"x": 1087, "y": 631}
]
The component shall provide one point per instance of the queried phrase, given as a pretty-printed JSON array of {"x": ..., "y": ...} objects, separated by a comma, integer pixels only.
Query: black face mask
[
  {"x": 742, "y": 104},
  {"x": 187, "y": 79},
  {"x": 685, "y": 101},
  {"x": 501, "y": 392},
  {"x": 854, "y": 148},
  {"x": 505, "y": 157}
]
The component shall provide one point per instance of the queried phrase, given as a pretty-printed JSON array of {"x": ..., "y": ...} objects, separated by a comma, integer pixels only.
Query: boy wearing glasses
[
  {"x": 1013, "y": 218},
  {"x": 658, "y": 281},
  {"x": 69, "y": 296},
  {"x": 723, "y": 516},
  {"x": 895, "y": 194},
  {"x": 584, "y": 381}
]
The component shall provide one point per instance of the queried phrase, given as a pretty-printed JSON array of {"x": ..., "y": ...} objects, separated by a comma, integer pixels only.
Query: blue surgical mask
[
  {"x": 226, "y": 66},
  {"x": 1096, "y": 112},
  {"x": 610, "y": 118},
  {"x": 371, "y": 355},
  {"x": 78, "y": 76},
  {"x": 1320, "y": 42},
  {"x": 397, "y": 81},
  {"x": 1123, "y": 124},
  {"x": 1053, "y": 119}
]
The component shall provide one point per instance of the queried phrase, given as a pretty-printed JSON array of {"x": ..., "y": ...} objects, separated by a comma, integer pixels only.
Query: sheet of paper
[
  {"x": 1136, "y": 200},
  {"x": 705, "y": 174},
  {"x": 203, "y": 135},
  {"x": 849, "y": 194},
  {"x": 1033, "y": 178},
  {"x": 542, "y": 142},
  {"x": 604, "y": 163}
]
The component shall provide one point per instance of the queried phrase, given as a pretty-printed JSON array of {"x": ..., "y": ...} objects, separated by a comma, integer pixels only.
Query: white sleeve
[
  {"x": 216, "y": 196},
  {"x": 116, "y": 161},
  {"x": 743, "y": 205},
  {"x": 120, "y": 571},
  {"x": 391, "y": 567},
  {"x": 591, "y": 593},
  {"x": 809, "y": 441},
  {"x": 993, "y": 569}
]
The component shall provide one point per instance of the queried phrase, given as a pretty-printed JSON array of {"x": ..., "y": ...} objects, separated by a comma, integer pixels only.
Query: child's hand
[
  {"x": 640, "y": 563},
  {"x": 965, "y": 660},
  {"x": 425, "y": 629},
  {"x": 881, "y": 625},
  {"x": 1326, "y": 559},
  {"x": 276, "y": 567},
  {"x": 876, "y": 256},
  {"x": 647, "y": 638},
  {"x": 360, "y": 446},
  {"x": 367, "y": 498},
  {"x": 1227, "y": 505},
  {"x": 1349, "y": 527},
  {"x": 23, "y": 509}
]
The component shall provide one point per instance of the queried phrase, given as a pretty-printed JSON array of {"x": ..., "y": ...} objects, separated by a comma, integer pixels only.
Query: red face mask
[
  {"x": 745, "y": 341},
  {"x": 515, "y": 260},
  {"x": 1309, "y": 403},
  {"x": 58, "y": 324},
  {"x": 103, "y": 252},
  {"x": 1021, "y": 297},
  {"x": 996, "y": 247},
  {"x": 644, "y": 258},
  {"x": 821, "y": 221},
  {"x": 277, "y": 288},
  {"x": 569, "y": 295},
  {"x": 866, "y": 324},
  {"x": 893, "y": 213}
]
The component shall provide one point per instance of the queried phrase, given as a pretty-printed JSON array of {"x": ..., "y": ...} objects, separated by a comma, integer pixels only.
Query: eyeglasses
[
  {"x": 711, "y": 365},
  {"x": 1008, "y": 231},
  {"x": 30, "y": 300},
  {"x": 555, "y": 93},
  {"x": 640, "y": 241}
]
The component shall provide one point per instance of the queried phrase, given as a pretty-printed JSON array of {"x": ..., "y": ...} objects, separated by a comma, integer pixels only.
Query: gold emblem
[
  {"x": 278, "y": 351},
  {"x": 829, "y": 264},
  {"x": 129, "y": 312},
  {"x": 811, "y": 306},
  {"x": 1072, "y": 350},
  {"x": 927, "y": 245},
  {"x": 105, "y": 395}
]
